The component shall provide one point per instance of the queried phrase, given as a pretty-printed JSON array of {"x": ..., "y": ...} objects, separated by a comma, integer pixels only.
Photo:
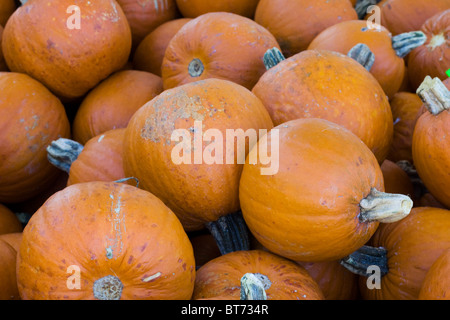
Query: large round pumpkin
[
  {"x": 437, "y": 281},
  {"x": 30, "y": 118},
  {"x": 108, "y": 241},
  {"x": 195, "y": 8},
  {"x": 217, "y": 45},
  {"x": 68, "y": 53},
  {"x": 320, "y": 199}
]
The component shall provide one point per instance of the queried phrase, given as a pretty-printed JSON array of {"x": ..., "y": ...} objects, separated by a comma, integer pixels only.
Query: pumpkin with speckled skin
[
  {"x": 195, "y": 8},
  {"x": 124, "y": 242},
  {"x": 436, "y": 284}
]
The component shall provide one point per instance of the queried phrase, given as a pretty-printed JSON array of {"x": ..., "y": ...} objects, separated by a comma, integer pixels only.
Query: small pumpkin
[
  {"x": 112, "y": 103},
  {"x": 9, "y": 246},
  {"x": 436, "y": 283},
  {"x": 9, "y": 223},
  {"x": 106, "y": 241},
  {"x": 195, "y": 8},
  {"x": 7, "y": 8},
  {"x": 217, "y": 45}
]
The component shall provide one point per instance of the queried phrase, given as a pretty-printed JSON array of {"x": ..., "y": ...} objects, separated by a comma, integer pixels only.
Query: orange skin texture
[
  {"x": 296, "y": 23},
  {"x": 437, "y": 281},
  {"x": 388, "y": 68},
  {"x": 31, "y": 117},
  {"x": 7, "y": 7},
  {"x": 195, "y": 8},
  {"x": 431, "y": 59},
  {"x": 309, "y": 210},
  {"x": 144, "y": 16},
  {"x": 3, "y": 66},
  {"x": 396, "y": 180},
  {"x": 336, "y": 282},
  {"x": 9, "y": 246},
  {"x": 197, "y": 193},
  {"x": 404, "y": 106},
  {"x": 9, "y": 223},
  {"x": 70, "y": 62},
  {"x": 77, "y": 225},
  {"x": 328, "y": 85},
  {"x": 112, "y": 103},
  {"x": 230, "y": 47},
  {"x": 220, "y": 278},
  {"x": 408, "y": 15},
  {"x": 413, "y": 244},
  {"x": 100, "y": 159},
  {"x": 150, "y": 52}
]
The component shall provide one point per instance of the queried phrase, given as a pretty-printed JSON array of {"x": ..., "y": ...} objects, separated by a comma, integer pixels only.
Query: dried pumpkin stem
[
  {"x": 108, "y": 288},
  {"x": 63, "y": 152},
  {"x": 363, "y": 55},
  {"x": 196, "y": 68},
  {"x": 434, "y": 95},
  {"x": 359, "y": 261},
  {"x": 230, "y": 233},
  {"x": 361, "y": 7},
  {"x": 406, "y": 42},
  {"x": 254, "y": 286},
  {"x": 272, "y": 57},
  {"x": 384, "y": 207}
]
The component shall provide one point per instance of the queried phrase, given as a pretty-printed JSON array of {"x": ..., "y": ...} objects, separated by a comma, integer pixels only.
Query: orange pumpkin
[
  {"x": 107, "y": 241},
  {"x": 217, "y": 45},
  {"x": 283, "y": 279},
  {"x": 396, "y": 180},
  {"x": 42, "y": 40},
  {"x": 436, "y": 283},
  {"x": 150, "y": 52},
  {"x": 112, "y": 103},
  {"x": 7, "y": 8},
  {"x": 30, "y": 118},
  {"x": 295, "y": 23},
  {"x": 9, "y": 223},
  {"x": 326, "y": 198},
  {"x": 195, "y": 8},
  {"x": 3, "y": 66},
  {"x": 328, "y": 85},
  {"x": 9, "y": 246}
]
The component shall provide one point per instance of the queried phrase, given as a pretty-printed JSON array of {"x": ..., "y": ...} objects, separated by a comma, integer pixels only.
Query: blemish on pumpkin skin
[{"x": 152, "y": 277}]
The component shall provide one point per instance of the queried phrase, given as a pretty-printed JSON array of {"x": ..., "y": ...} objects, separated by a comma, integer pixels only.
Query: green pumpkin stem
[
  {"x": 361, "y": 7},
  {"x": 63, "y": 152},
  {"x": 434, "y": 95},
  {"x": 406, "y": 42},
  {"x": 363, "y": 55},
  {"x": 359, "y": 261},
  {"x": 272, "y": 57},
  {"x": 254, "y": 286},
  {"x": 230, "y": 233}
]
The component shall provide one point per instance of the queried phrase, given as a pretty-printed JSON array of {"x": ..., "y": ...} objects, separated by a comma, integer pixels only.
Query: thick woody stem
[
  {"x": 359, "y": 261},
  {"x": 384, "y": 207},
  {"x": 363, "y": 55},
  {"x": 272, "y": 57},
  {"x": 254, "y": 286},
  {"x": 434, "y": 95},
  {"x": 361, "y": 7},
  {"x": 63, "y": 152},
  {"x": 406, "y": 42}
]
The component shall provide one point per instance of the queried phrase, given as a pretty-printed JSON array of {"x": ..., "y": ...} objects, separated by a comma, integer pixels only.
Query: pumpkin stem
[
  {"x": 108, "y": 288},
  {"x": 362, "y": 54},
  {"x": 126, "y": 179},
  {"x": 384, "y": 207},
  {"x": 361, "y": 7},
  {"x": 406, "y": 42},
  {"x": 230, "y": 232},
  {"x": 272, "y": 57},
  {"x": 63, "y": 152},
  {"x": 254, "y": 286},
  {"x": 359, "y": 261},
  {"x": 23, "y": 1},
  {"x": 434, "y": 95},
  {"x": 196, "y": 68}
]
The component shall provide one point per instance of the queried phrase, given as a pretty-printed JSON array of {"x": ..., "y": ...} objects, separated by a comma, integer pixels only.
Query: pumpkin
[
  {"x": 283, "y": 279},
  {"x": 111, "y": 104},
  {"x": 3, "y": 66},
  {"x": 30, "y": 118},
  {"x": 217, "y": 45},
  {"x": 389, "y": 65},
  {"x": 106, "y": 241},
  {"x": 100, "y": 159},
  {"x": 9, "y": 223},
  {"x": 428, "y": 200},
  {"x": 396, "y": 180},
  {"x": 325, "y": 200},
  {"x": 42, "y": 40},
  {"x": 403, "y": 252},
  {"x": 329, "y": 85},
  {"x": 145, "y": 16},
  {"x": 433, "y": 57},
  {"x": 150, "y": 52},
  {"x": 431, "y": 141},
  {"x": 7, "y": 8},
  {"x": 436, "y": 283},
  {"x": 9, "y": 246},
  {"x": 195, "y": 8},
  {"x": 295, "y": 23}
]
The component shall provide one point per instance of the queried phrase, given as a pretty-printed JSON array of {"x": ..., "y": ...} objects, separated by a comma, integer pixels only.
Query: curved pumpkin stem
[
  {"x": 434, "y": 95},
  {"x": 108, "y": 288},
  {"x": 406, "y": 42},
  {"x": 361, "y": 7},
  {"x": 63, "y": 152},
  {"x": 254, "y": 286},
  {"x": 230, "y": 232},
  {"x": 359, "y": 261},
  {"x": 363, "y": 55},
  {"x": 384, "y": 207},
  {"x": 272, "y": 57},
  {"x": 127, "y": 179}
]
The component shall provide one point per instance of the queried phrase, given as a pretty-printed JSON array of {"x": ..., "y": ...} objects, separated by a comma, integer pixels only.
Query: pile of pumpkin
[{"x": 358, "y": 126}]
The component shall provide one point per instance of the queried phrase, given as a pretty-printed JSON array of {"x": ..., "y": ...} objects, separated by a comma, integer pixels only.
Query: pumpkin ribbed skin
[
  {"x": 196, "y": 192},
  {"x": 7, "y": 8},
  {"x": 195, "y": 8},
  {"x": 436, "y": 283},
  {"x": 331, "y": 86},
  {"x": 38, "y": 42},
  {"x": 9, "y": 223},
  {"x": 105, "y": 229},
  {"x": 30, "y": 118},
  {"x": 220, "y": 277},
  {"x": 206, "y": 47}
]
